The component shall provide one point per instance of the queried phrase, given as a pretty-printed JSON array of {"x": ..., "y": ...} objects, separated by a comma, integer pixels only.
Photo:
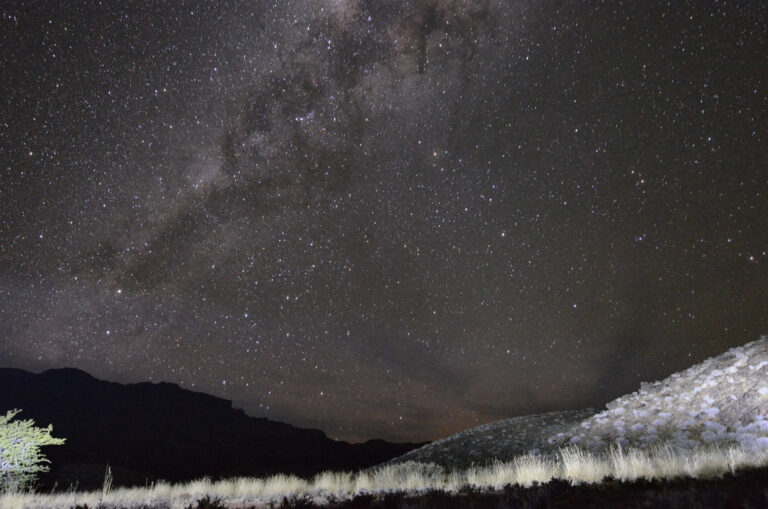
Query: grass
[{"x": 572, "y": 465}]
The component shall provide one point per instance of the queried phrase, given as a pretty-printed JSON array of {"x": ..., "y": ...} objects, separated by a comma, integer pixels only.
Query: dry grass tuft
[{"x": 572, "y": 464}]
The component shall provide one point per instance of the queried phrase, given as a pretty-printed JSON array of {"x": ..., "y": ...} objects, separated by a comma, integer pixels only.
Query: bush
[{"x": 20, "y": 456}]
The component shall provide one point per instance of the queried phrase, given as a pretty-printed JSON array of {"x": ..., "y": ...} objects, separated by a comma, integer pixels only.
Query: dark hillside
[{"x": 148, "y": 431}]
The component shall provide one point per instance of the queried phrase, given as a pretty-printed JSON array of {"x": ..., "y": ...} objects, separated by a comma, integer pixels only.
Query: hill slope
[
  {"x": 148, "y": 431},
  {"x": 501, "y": 440},
  {"x": 723, "y": 399}
]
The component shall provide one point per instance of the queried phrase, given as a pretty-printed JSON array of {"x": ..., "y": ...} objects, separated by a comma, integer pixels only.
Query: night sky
[{"x": 389, "y": 219}]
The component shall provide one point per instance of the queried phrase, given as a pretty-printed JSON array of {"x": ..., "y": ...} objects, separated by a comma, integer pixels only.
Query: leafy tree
[{"x": 20, "y": 456}]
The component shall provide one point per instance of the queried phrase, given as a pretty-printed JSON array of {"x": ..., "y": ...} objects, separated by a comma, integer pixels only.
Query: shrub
[{"x": 20, "y": 456}]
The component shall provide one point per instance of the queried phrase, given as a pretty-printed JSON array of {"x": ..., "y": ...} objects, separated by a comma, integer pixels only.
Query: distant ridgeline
[
  {"x": 147, "y": 432},
  {"x": 721, "y": 400}
]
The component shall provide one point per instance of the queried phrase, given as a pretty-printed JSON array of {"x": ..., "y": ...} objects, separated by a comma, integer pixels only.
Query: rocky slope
[
  {"x": 721, "y": 400},
  {"x": 500, "y": 440}
]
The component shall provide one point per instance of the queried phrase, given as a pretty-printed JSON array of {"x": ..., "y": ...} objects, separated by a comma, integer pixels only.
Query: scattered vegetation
[
  {"x": 107, "y": 485},
  {"x": 207, "y": 503},
  {"x": 527, "y": 481},
  {"x": 20, "y": 456}
]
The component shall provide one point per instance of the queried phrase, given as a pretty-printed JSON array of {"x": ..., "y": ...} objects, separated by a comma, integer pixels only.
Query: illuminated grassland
[{"x": 573, "y": 465}]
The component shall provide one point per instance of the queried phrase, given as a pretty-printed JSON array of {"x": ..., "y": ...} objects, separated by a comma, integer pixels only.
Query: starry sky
[{"x": 389, "y": 219}]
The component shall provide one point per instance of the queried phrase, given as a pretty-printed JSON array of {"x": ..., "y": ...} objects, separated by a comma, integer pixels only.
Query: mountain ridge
[{"x": 147, "y": 431}]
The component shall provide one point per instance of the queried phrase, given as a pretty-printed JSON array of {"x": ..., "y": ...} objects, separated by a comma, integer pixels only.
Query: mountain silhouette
[{"x": 151, "y": 431}]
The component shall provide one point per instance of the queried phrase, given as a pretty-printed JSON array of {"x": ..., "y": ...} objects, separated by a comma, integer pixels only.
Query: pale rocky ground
[{"x": 723, "y": 400}]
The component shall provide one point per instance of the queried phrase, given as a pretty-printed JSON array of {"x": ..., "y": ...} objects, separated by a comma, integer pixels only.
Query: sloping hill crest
[
  {"x": 723, "y": 399},
  {"x": 501, "y": 440}
]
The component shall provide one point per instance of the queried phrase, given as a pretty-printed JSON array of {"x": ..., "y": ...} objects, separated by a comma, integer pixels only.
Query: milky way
[{"x": 383, "y": 219}]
